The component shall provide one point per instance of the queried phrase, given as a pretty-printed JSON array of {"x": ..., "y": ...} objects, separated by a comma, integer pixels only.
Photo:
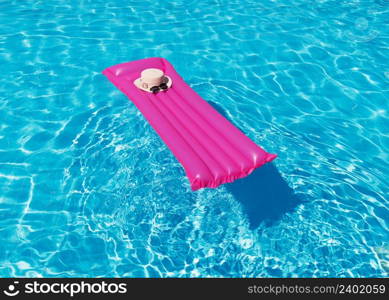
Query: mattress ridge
[
  {"x": 213, "y": 141},
  {"x": 217, "y": 131},
  {"x": 187, "y": 134}
]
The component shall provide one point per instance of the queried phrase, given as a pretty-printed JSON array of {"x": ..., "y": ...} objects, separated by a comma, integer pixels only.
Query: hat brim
[{"x": 138, "y": 84}]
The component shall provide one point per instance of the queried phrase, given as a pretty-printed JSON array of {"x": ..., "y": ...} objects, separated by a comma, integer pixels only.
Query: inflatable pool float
[{"x": 211, "y": 150}]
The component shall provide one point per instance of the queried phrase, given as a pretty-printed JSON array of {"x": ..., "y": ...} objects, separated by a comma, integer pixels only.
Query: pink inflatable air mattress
[{"x": 211, "y": 149}]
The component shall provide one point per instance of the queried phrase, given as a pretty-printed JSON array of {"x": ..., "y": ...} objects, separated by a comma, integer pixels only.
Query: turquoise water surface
[{"x": 87, "y": 188}]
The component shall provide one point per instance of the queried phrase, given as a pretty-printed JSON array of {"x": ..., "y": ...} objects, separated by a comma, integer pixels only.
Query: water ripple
[{"x": 89, "y": 189}]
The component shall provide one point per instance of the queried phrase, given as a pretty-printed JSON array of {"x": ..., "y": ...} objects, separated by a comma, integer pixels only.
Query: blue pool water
[{"x": 87, "y": 188}]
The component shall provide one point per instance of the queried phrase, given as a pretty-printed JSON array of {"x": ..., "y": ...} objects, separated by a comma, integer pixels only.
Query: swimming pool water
[{"x": 87, "y": 188}]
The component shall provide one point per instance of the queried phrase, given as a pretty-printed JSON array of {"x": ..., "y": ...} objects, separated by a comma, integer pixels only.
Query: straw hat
[{"x": 153, "y": 80}]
